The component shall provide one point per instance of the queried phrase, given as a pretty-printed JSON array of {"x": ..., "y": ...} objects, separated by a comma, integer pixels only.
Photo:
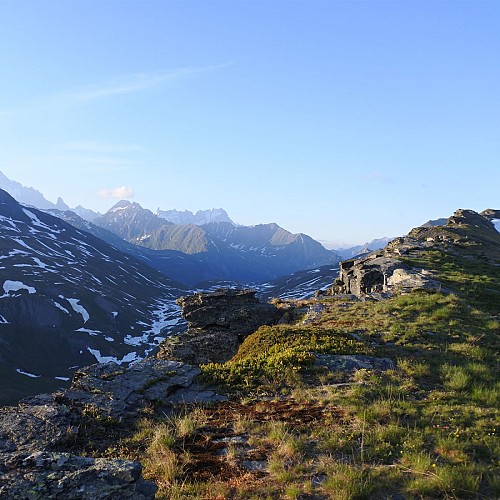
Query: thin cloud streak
[
  {"x": 103, "y": 148},
  {"x": 121, "y": 85}
]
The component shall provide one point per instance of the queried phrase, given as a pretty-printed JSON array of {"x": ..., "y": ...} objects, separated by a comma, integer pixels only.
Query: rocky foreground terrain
[{"x": 384, "y": 386}]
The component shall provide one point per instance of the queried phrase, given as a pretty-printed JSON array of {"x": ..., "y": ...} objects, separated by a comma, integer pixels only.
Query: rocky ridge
[{"x": 385, "y": 272}]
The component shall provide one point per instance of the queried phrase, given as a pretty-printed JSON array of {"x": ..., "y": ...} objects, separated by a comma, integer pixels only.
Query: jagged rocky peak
[
  {"x": 199, "y": 218},
  {"x": 218, "y": 323}
]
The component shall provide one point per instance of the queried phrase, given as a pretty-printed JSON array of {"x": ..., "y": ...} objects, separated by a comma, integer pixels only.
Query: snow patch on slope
[
  {"x": 15, "y": 286},
  {"x": 79, "y": 309}
]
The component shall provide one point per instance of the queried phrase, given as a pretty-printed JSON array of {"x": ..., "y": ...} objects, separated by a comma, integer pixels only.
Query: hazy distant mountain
[
  {"x": 226, "y": 251},
  {"x": 34, "y": 198},
  {"x": 199, "y": 218},
  {"x": 26, "y": 195},
  {"x": 85, "y": 213},
  {"x": 69, "y": 299},
  {"x": 435, "y": 222},
  {"x": 349, "y": 253}
]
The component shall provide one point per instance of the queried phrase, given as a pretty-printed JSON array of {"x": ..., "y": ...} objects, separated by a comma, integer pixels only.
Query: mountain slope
[{"x": 69, "y": 299}]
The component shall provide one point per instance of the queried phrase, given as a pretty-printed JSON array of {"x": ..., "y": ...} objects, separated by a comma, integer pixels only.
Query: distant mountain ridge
[
  {"x": 25, "y": 195},
  {"x": 200, "y": 218},
  {"x": 349, "y": 253},
  {"x": 210, "y": 247},
  {"x": 241, "y": 253},
  {"x": 34, "y": 198}
]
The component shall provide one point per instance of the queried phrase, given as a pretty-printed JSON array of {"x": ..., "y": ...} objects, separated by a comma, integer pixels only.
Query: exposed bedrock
[
  {"x": 36, "y": 435},
  {"x": 218, "y": 323}
]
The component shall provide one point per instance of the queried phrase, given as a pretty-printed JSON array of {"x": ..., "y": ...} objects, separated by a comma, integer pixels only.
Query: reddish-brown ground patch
[{"x": 207, "y": 449}]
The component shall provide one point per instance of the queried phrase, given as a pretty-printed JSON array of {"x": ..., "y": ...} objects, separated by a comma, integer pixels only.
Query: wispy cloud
[
  {"x": 119, "y": 85},
  {"x": 121, "y": 192},
  {"x": 127, "y": 84},
  {"x": 100, "y": 147}
]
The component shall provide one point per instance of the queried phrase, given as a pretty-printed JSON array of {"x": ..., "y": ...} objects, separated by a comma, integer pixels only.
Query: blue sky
[{"x": 343, "y": 120}]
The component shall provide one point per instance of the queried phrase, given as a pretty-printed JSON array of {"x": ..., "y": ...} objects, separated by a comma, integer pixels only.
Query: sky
[{"x": 344, "y": 120}]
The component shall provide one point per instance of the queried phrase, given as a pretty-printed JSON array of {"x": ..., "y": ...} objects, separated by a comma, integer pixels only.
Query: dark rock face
[
  {"x": 218, "y": 323},
  {"x": 35, "y": 435},
  {"x": 238, "y": 311}
]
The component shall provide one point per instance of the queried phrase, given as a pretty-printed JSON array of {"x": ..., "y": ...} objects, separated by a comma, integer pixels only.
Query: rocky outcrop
[
  {"x": 238, "y": 311},
  {"x": 218, "y": 323},
  {"x": 379, "y": 273},
  {"x": 385, "y": 272},
  {"x": 36, "y": 435},
  {"x": 491, "y": 213}
]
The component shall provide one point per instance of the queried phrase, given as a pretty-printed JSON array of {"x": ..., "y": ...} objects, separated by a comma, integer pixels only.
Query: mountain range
[
  {"x": 32, "y": 197},
  {"x": 74, "y": 293},
  {"x": 193, "y": 254}
]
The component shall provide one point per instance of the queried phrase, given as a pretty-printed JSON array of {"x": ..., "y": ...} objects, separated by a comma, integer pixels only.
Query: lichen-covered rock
[
  {"x": 43, "y": 474},
  {"x": 43, "y": 424},
  {"x": 35, "y": 435}
]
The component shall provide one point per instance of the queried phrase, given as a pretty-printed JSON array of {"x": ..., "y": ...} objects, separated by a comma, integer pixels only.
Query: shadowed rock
[
  {"x": 218, "y": 323},
  {"x": 238, "y": 311}
]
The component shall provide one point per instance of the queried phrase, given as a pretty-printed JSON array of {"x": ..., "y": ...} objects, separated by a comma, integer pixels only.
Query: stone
[
  {"x": 351, "y": 362},
  {"x": 201, "y": 346},
  {"x": 45, "y": 474},
  {"x": 217, "y": 324},
  {"x": 239, "y": 311}
]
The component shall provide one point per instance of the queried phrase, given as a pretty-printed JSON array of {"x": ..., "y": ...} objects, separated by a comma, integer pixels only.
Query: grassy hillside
[{"x": 425, "y": 428}]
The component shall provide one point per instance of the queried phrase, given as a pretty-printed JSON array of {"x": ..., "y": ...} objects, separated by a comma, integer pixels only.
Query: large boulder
[
  {"x": 238, "y": 311},
  {"x": 218, "y": 323}
]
